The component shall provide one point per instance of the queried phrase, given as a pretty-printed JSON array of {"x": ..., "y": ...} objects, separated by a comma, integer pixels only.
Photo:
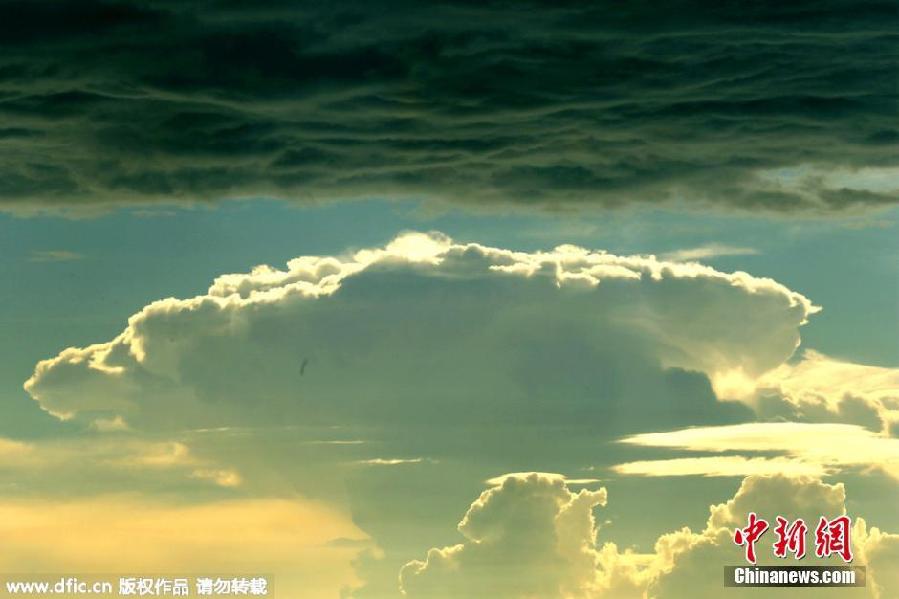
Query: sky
[{"x": 451, "y": 300}]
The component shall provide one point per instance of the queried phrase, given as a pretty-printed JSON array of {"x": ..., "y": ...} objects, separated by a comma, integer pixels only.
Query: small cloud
[
  {"x": 110, "y": 425},
  {"x": 709, "y": 250},
  {"x": 392, "y": 461},
  {"x": 335, "y": 442},
  {"x": 499, "y": 480},
  {"x": 218, "y": 429},
  {"x": 722, "y": 466},
  {"x": 54, "y": 256},
  {"x": 162, "y": 455},
  {"x": 221, "y": 477}
]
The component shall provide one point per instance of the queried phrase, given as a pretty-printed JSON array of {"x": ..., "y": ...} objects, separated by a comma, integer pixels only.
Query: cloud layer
[
  {"x": 758, "y": 107},
  {"x": 301, "y": 546},
  {"x": 814, "y": 448}
]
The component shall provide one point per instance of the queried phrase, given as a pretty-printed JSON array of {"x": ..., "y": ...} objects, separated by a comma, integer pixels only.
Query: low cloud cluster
[
  {"x": 777, "y": 108},
  {"x": 531, "y": 536}
]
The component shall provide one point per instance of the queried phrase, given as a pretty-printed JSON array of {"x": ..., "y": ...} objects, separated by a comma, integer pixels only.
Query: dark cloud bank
[{"x": 554, "y": 104}]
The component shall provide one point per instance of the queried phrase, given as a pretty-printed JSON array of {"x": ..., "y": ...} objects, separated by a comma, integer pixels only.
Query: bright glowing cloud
[
  {"x": 55, "y": 464},
  {"x": 818, "y": 386},
  {"x": 816, "y": 448},
  {"x": 390, "y": 461},
  {"x": 721, "y": 466}
]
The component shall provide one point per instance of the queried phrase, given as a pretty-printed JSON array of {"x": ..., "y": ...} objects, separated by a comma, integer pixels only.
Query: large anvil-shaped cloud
[
  {"x": 429, "y": 330},
  {"x": 759, "y": 106}
]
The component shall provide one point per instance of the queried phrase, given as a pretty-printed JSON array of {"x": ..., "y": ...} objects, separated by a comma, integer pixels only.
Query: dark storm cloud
[{"x": 551, "y": 104}]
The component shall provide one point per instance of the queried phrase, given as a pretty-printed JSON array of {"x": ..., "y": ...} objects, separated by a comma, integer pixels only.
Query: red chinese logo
[
  {"x": 790, "y": 538},
  {"x": 749, "y": 535},
  {"x": 833, "y": 537}
]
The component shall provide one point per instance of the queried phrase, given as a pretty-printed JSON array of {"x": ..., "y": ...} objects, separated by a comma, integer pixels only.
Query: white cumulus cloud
[{"x": 531, "y": 537}]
